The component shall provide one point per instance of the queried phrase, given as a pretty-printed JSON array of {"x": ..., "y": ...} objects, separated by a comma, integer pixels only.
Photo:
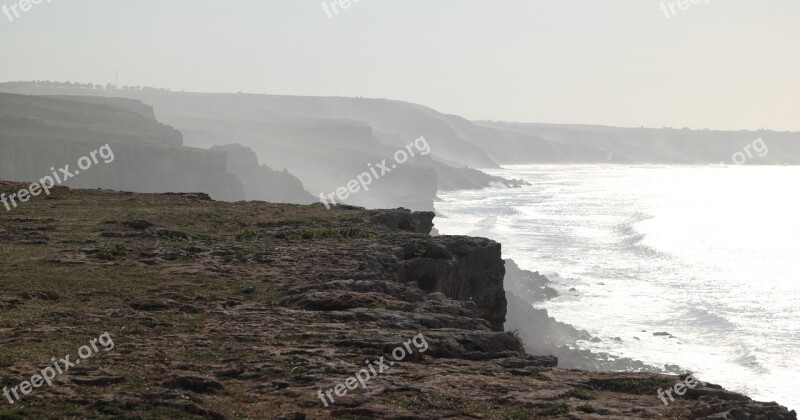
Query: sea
[{"x": 707, "y": 254}]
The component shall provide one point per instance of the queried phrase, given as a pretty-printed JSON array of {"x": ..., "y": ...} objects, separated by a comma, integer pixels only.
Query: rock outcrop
[{"x": 461, "y": 268}]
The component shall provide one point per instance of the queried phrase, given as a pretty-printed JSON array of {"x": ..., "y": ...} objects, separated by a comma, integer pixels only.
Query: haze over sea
[{"x": 708, "y": 254}]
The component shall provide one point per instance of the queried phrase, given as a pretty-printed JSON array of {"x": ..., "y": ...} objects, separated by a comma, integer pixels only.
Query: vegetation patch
[
  {"x": 347, "y": 232},
  {"x": 541, "y": 377},
  {"x": 111, "y": 254},
  {"x": 247, "y": 234},
  {"x": 581, "y": 394}
]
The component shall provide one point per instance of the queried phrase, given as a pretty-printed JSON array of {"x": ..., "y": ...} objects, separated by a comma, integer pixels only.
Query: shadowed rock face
[
  {"x": 462, "y": 268},
  {"x": 405, "y": 220}
]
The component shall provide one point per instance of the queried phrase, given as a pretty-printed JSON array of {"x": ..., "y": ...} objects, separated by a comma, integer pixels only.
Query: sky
[{"x": 720, "y": 64}]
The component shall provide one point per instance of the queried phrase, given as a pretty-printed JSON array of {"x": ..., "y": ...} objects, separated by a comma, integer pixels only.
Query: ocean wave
[
  {"x": 745, "y": 356},
  {"x": 628, "y": 230},
  {"x": 702, "y": 317},
  {"x": 633, "y": 239}
]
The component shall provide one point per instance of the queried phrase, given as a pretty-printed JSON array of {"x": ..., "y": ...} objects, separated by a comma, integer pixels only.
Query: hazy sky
[{"x": 721, "y": 64}]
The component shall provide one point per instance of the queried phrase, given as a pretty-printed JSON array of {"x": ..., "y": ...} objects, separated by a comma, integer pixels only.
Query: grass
[
  {"x": 89, "y": 295},
  {"x": 581, "y": 394},
  {"x": 247, "y": 234},
  {"x": 112, "y": 254},
  {"x": 347, "y": 232}
]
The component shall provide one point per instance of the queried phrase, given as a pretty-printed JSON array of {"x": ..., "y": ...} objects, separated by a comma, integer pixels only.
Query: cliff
[
  {"x": 324, "y": 142},
  {"x": 37, "y": 133},
  {"x": 254, "y": 310},
  {"x": 575, "y": 143},
  {"x": 461, "y": 268},
  {"x": 260, "y": 182}
]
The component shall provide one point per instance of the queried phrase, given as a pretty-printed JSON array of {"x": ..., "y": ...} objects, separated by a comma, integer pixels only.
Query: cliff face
[
  {"x": 113, "y": 119},
  {"x": 324, "y": 142},
  {"x": 466, "y": 269},
  {"x": 563, "y": 143},
  {"x": 260, "y": 182},
  {"x": 37, "y": 133},
  {"x": 461, "y": 268},
  {"x": 255, "y": 310},
  {"x": 324, "y": 154}
]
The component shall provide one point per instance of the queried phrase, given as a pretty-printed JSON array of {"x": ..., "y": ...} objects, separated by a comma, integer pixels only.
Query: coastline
[
  {"x": 644, "y": 279},
  {"x": 222, "y": 310},
  {"x": 549, "y": 336}
]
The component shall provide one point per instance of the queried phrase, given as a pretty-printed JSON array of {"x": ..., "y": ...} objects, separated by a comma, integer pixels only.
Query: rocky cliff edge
[{"x": 255, "y": 310}]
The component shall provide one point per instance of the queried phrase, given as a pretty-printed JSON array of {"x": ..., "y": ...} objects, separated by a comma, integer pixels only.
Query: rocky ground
[{"x": 246, "y": 310}]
